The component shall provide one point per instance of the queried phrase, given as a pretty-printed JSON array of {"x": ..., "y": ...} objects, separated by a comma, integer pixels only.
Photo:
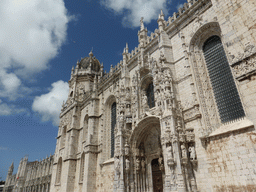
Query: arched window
[
  {"x": 113, "y": 124},
  {"x": 58, "y": 173},
  {"x": 224, "y": 88},
  {"x": 82, "y": 168},
  {"x": 150, "y": 95}
]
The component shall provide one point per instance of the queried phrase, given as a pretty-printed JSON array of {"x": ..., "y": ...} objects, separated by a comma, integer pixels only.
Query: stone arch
[
  {"x": 145, "y": 81},
  {"x": 205, "y": 94},
  {"x": 145, "y": 147},
  {"x": 142, "y": 126},
  {"x": 202, "y": 34},
  {"x": 107, "y": 127},
  {"x": 206, "y": 97}
]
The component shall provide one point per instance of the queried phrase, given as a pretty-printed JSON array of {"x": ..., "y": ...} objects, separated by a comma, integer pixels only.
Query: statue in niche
[
  {"x": 192, "y": 152},
  {"x": 169, "y": 151},
  {"x": 143, "y": 165},
  {"x": 127, "y": 165},
  {"x": 183, "y": 151},
  {"x": 162, "y": 57},
  {"x": 117, "y": 166},
  {"x": 128, "y": 107},
  {"x": 160, "y": 163},
  {"x": 144, "y": 100},
  {"x": 137, "y": 164},
  {"x": 167, "y": 93}
]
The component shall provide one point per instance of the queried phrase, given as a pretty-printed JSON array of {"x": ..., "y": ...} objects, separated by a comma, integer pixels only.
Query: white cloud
[
  {"x": 133, "y": 10},
  {"x": 179, "y": 6},
  {"x": 10, "y": 109},
  {"x": 31, "y": 33},
  {"x": 48, "y": 105}
]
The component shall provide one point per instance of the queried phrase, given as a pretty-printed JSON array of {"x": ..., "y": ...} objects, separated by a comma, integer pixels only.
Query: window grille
[
  {"x": 150, "y": 95},
  {"x": 224, "y": 88},
  {"x": 113, "y": 124}
]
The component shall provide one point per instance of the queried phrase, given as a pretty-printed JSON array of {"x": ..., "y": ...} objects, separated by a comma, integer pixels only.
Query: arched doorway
[{"x": 148, "y": 163}]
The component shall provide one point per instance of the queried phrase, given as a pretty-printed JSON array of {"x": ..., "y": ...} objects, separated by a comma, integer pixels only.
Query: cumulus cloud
[
  {"x": 31, "y": 33},
  {"x": 133, "y": 10},
  {"x": 48, "y": 105}
]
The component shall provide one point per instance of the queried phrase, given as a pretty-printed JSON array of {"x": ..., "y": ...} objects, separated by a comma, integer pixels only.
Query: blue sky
[{"x": 40, "y": 41}]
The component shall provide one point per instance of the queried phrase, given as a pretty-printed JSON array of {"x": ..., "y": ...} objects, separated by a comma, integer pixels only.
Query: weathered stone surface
[{"x": 171, "y": 137}]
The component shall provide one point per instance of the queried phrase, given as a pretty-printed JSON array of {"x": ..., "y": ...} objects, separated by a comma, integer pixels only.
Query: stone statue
[
  {"x": 128, "y": 109},
  {"x": 144, "y": 100},
  {"x": 117, "y": 165},
  {"x": 143, "y": 165},
  {"x": 183, "y": 151},
  {"x": 160, "y": 163},
  {"x": 137, "y": 164},
  {"x": 127, "y": 165},
  {"x": 169, "y": 150},
  {"x": 192, "y": 152}
]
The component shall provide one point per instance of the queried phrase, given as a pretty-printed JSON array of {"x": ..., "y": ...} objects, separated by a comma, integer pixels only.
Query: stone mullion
[
  {"x": 168, "y": 172},
  {"x": 119, "y": 145},
  {"x": 195, "y": 59},
  {"x": 180, "y": 181}
]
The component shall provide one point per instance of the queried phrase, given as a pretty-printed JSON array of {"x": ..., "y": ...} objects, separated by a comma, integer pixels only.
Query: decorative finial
[
  {"x": 126, "y": 49},
  {"x": 162, "y": 14},
  {"x": 91, "y": 54},
  {"x": 141, "y": 23}
]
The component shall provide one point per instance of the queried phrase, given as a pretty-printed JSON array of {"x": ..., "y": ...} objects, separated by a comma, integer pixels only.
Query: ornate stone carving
[
  {"x": 248, "y": 51},
  {"x": 127, "y": 165},
  {"x": 126, "y": 149},
  {"x": 183, "y": 151},
  {"x": 137, "y": 164},
  {"x": 192, "y": 153},
  {"x": 80, "y": 92},
  {"x": 192, "y": 113},
  {"x": 117, "y": 166},
  {"x": 160, "y": 163},
  {"x": 143, "y": 166},
  {"x": 245, "y": 68}
]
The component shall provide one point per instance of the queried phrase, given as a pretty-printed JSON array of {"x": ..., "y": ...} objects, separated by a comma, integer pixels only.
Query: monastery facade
[{"x": 176, "y": 114}]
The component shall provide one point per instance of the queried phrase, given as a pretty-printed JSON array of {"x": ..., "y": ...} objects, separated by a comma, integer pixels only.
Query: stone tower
[{"x": 82, "y": 85}]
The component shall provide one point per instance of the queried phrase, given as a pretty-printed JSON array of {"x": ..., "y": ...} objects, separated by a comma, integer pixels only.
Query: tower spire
[{"x": 142, "y": 24}]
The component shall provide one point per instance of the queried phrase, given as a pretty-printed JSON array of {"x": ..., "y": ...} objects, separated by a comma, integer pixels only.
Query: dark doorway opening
[{"x": 157, "y": 176}]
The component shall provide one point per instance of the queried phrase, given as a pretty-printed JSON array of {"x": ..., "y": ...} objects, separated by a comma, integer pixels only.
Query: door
[{"x": 157, "y": 176}]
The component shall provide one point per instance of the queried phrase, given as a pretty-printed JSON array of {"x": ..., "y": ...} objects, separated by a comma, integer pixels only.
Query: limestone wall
[{"x": 105, "y": 177}]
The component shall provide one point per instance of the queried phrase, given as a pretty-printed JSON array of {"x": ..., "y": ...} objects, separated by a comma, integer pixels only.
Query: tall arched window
[
  {"x": 224, "y": 88},
  {"x": 150, "y": 95},
  {"x": 113, "y": 124},
  {"x": 58, "y": 173},
  {"x": 82, "y": 168}
]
